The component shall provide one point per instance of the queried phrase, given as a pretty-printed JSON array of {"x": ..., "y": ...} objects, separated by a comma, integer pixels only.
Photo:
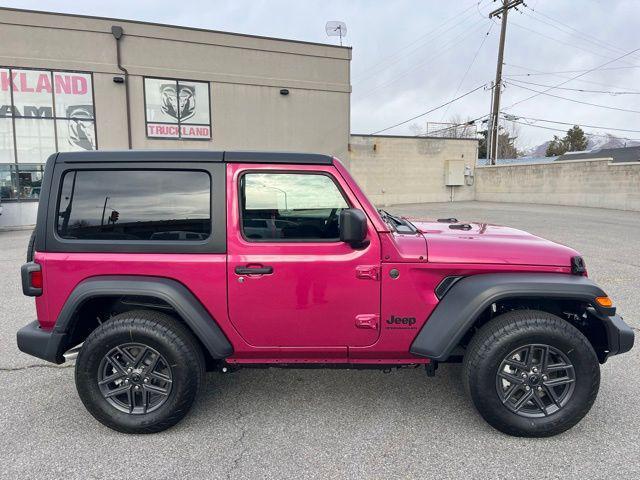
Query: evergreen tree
[
  {"x": 482, "y": 144},
  {"x": 556, "y": 147},
  {"x": 574, "y": 141},
  {"x": 506, "y": 143}
]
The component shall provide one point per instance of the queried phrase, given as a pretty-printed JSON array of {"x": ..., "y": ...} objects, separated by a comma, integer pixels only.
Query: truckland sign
[
  {"x": 177, "y": 109},
  {"x": 49, "y": 111}
]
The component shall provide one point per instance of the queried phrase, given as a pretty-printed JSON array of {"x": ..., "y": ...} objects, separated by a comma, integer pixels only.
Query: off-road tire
[
  {"x": 507, "y": 332},
  {"x": 164, "y": 334}
]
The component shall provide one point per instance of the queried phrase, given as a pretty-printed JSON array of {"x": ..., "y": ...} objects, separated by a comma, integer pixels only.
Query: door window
[{"x": 290, "y": 207}]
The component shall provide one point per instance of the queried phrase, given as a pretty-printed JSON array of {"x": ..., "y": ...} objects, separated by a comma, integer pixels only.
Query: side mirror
[{"x": 353, "y": 227}]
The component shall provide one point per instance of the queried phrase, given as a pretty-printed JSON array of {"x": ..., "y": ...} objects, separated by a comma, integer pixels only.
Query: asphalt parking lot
[{"x": 333, "y": 424}]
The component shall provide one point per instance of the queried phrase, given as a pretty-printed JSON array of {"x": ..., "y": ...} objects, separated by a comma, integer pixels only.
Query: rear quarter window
[{"x": 135, "y": 205}]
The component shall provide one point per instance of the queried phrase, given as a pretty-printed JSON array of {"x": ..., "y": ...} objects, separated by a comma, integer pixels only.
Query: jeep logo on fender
[{"x": 401, "y": 322}]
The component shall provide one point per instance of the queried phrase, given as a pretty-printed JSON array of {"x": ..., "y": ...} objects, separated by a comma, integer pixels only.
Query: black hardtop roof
[{"x": 193, "y": 156}]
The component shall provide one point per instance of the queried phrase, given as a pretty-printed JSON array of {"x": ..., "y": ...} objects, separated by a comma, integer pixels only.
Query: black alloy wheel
[
  {"x": 535, "y": 380},
  {"x": 135, "y": 378}
]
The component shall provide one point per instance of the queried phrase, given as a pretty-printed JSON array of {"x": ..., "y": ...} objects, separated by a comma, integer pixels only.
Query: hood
[{"x": 485, "y": 243}]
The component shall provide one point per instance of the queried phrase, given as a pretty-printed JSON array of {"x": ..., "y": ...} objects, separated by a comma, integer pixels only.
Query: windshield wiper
[{"x": 398, "y": 223}]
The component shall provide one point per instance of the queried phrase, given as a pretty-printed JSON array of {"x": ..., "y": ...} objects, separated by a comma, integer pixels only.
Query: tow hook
[{"x": 431, "y": 368}]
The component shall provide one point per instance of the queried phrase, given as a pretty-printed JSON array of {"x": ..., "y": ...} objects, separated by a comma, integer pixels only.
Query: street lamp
[{"x": 286, "y": 205}]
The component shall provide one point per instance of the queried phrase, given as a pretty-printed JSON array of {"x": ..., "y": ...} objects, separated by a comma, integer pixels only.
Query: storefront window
[
  {"x": 20, "y": 181},
  {"x": 35, "y": 139},
  {"x": 8, "y": 187},
  {"x": 7, "y": 155},
  {"x": 75, "y": 124},
  {"x": 177, "y": 109},
  {"x": 41, "y": 112},
  {"x": 29, "y": 181},
  {"x": 32, "y": 93}
]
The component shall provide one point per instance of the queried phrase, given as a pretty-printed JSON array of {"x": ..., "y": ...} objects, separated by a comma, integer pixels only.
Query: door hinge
[
  {"x": 368, "y": 320},
  {"x": 368, "y": 272}
]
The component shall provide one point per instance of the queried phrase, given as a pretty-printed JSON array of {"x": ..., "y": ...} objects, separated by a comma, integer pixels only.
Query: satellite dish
[{"x": 335, "y": 28}]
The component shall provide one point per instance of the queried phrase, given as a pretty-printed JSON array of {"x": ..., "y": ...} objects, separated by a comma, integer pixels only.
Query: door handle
[{"x": 253, "y": 270}]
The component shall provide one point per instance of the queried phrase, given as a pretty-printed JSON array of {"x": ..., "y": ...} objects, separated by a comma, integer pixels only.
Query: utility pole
[
  {"x": 500, "y": 12},
  {"x": 104, "y": 208},
  {"x": 489, "y": 131}
]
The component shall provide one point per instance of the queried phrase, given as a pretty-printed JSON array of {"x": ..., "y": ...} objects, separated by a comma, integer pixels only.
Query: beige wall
[
  {"x": 400, "y": 170},
  {"x": 246, "y": 75},
  {"x": 585, "y": 183}
]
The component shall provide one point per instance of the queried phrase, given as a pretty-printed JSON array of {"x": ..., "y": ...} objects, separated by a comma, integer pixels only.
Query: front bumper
[
  {"x": 45, "y": 344},
  {"x": 620, "y": 336}
]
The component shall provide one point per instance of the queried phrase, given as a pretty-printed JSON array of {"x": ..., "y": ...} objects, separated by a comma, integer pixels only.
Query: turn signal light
[{"x": 604, "y": 302}]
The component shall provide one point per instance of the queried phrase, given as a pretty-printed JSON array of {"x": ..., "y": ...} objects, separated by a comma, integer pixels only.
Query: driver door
[{"x": 291, "y": 282}]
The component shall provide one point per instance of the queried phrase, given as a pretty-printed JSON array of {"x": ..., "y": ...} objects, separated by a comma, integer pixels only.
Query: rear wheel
[
  {"x": 531, "y": 373},
  {"x": 139, "y": 372}
]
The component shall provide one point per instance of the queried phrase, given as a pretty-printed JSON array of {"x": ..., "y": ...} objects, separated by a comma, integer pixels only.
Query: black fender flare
[
  {"x": 170, "y": 291},
  {"x": 470, "y": 296}
]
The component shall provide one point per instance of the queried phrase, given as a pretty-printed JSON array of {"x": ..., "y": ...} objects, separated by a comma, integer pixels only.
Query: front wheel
[
  {"x": 530, "y": 373},
  {"x": 139, "y": 372}
]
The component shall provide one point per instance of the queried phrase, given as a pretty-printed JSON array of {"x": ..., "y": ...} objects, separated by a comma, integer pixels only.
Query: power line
[
  {"x": 564, "y": 131},
  {"x": 444, "y": 48},
  {"x": 610, "y": 92},
  {"x": 448, "y": 46},
  {"x": 418, "y": 40},
  {"x": 483, "y": 16},
  {"x": 590, "y": 38},
  {"x": 574, "y": 78},
  {"x": 431, "y": 110},
  {"x": 540, "y": 72},
  {"x": 455, "y": 125},
  {"x": 473, "y": 60},
  {"x": 564, "y": 31},
  {"x": 512, "y": 117},
  {"x": 560, "y": 41},
  {"x": 572, "y": 100},
  {"x": 397, "y": 55},
  {"x": 557, "y": 74}
]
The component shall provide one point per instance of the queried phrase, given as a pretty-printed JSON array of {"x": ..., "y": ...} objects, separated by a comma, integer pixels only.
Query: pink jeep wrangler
[{"x": 163, "y": 265}]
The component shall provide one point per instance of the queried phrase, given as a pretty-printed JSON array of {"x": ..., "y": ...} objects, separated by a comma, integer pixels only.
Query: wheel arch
[
  {"x": 473, "y": 300},
  {"x": 119, "y": 293}
]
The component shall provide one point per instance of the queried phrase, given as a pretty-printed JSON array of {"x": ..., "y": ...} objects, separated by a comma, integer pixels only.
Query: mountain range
[{"x": 602, "y": 140}]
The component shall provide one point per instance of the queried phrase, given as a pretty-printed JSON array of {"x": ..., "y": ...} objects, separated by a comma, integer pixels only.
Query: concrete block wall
[
  {"x": 584, "y": 183},
  {"x": 395, "y": 170}
]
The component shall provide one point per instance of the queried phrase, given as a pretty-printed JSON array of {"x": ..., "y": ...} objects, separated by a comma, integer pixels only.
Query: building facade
[
  {"x": 394, "y": 169},
  {"x": 71, "y": 82}
]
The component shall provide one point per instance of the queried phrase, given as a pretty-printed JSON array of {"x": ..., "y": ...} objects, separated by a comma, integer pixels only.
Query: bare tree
[
  {"x": 456, "y": 127},
  {"x": 508, "y": 134}
]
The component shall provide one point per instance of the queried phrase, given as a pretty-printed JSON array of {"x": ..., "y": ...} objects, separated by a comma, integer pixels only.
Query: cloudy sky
[{"x": 412, "y": 55}]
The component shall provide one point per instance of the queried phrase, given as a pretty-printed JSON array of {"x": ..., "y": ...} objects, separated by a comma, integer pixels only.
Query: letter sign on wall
[
  {"x": 43, "y": 111},
  {"x": 177, "y": 109}
]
